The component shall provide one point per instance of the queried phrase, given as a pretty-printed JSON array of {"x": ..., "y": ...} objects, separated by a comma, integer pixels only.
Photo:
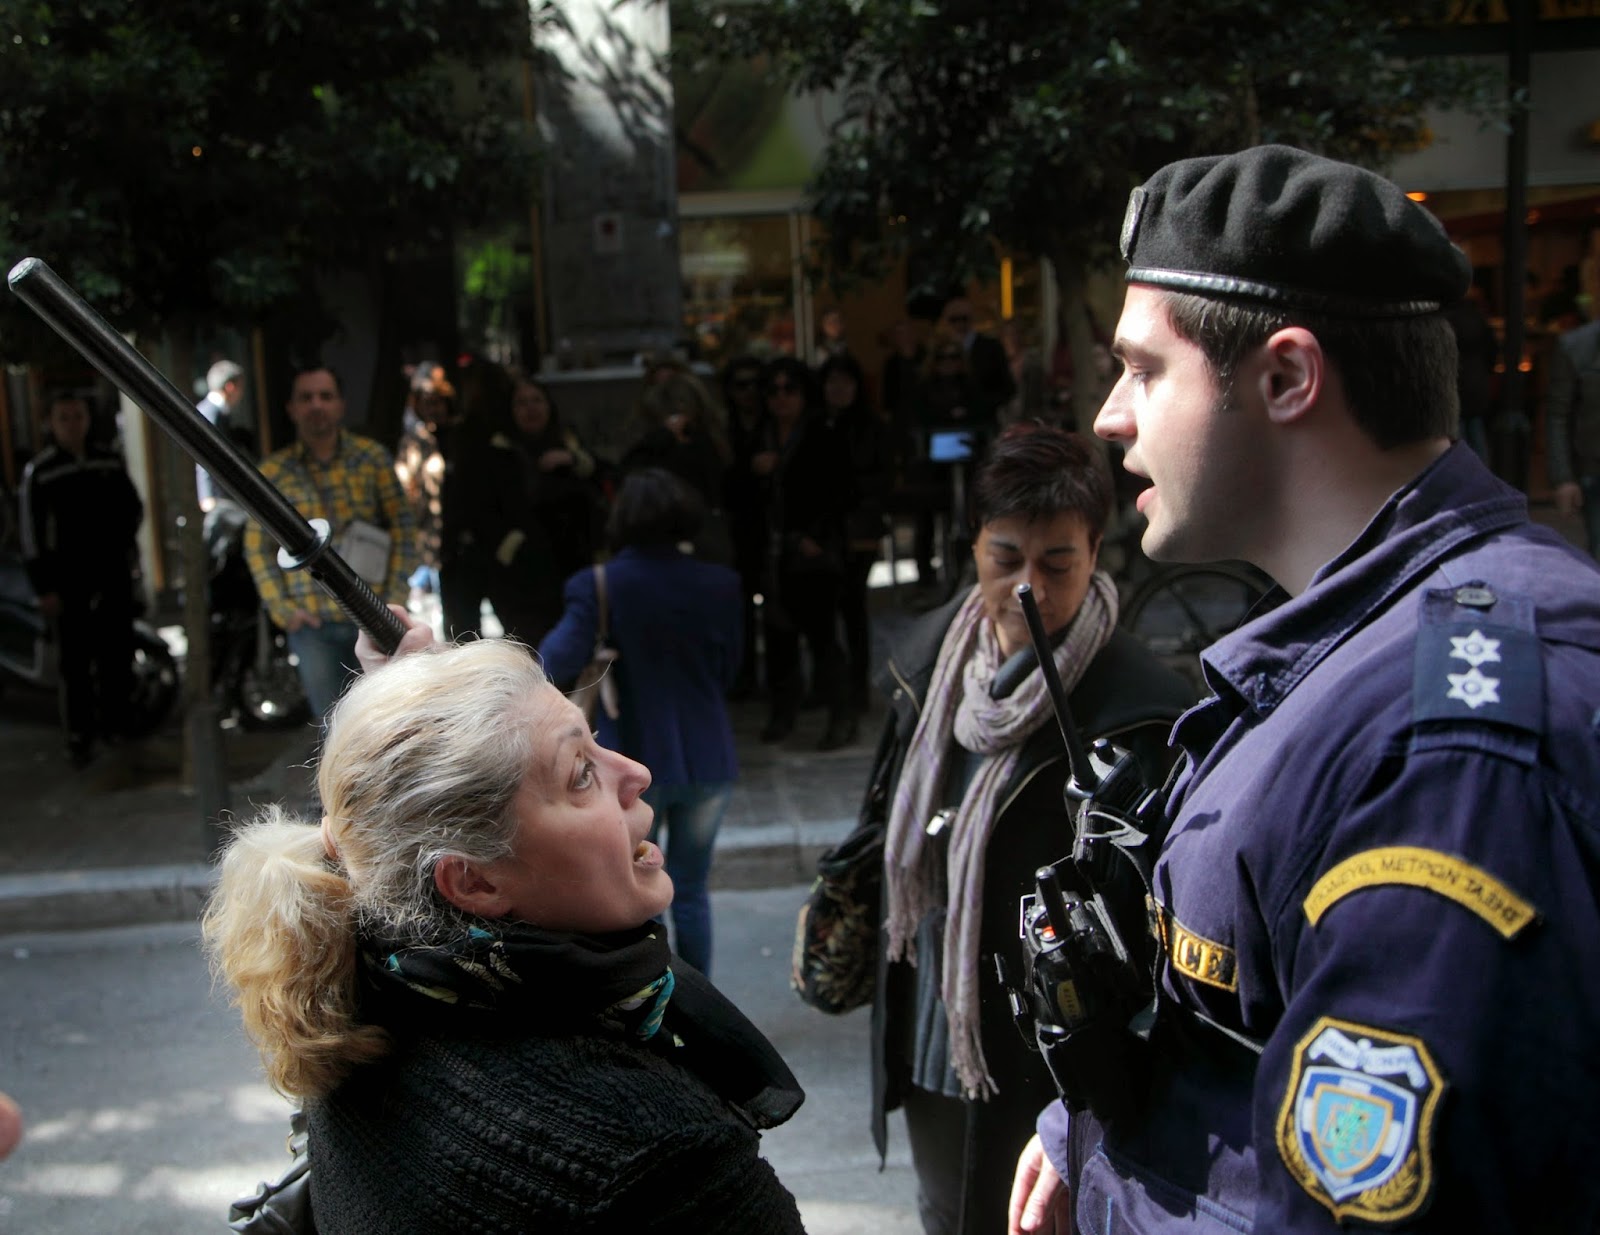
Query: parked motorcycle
[
  {"x": 253, "y": 675},
  {"x": 29, "y": 655}
]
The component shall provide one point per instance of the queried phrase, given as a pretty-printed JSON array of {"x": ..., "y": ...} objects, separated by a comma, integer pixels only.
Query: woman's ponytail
[{"x": 280, "y": 932}]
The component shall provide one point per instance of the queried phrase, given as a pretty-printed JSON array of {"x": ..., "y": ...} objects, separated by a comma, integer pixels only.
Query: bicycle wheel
[{"x": 1182, "y": 610}]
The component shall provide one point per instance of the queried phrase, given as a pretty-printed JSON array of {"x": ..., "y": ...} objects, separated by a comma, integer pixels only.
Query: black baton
[{"x": 303, "y": 544}]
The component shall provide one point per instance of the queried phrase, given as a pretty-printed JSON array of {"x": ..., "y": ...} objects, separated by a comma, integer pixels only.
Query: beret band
[
  {"x": 1293, "y": 229},
  {"x": 1289, "y": 297}
]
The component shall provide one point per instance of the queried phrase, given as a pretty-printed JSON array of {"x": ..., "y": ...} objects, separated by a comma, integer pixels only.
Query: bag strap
[{"x": 603, "y": 623}]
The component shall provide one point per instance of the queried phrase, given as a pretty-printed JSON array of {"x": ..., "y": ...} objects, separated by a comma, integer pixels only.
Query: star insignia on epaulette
[
  {"x": 1476, "y": 649},
  {"x": 1473, "y": 688}
]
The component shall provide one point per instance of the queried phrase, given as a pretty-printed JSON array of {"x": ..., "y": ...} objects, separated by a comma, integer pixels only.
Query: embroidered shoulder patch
[
  {"x": 1356, "y": 1127},
  {"x": 1410, "y": 866}
]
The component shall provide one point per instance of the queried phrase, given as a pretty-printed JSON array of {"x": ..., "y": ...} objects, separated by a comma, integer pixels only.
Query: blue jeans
[
  {"x": 691, "y": 815},
  {"x": 326, "y": 657}
]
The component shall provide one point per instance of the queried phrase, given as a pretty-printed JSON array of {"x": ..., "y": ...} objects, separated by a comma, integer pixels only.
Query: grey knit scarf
[{"x": 958, "y": 705}]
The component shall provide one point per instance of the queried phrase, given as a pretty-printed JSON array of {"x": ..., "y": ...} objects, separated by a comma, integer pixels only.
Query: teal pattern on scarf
[{"x": 640, "y": 1013}]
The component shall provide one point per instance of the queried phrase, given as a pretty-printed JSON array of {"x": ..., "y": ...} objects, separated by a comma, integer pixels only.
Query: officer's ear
[{"x": 1292, "y": 374}]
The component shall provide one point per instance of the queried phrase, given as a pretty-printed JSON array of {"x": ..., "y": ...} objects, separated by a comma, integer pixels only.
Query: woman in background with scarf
[
  {"x": 970, "y": 773},
  {"x": 457, "y": 972}
]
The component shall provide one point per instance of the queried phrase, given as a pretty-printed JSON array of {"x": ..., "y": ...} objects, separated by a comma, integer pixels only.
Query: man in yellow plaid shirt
[{"x": 333, "y": 474}]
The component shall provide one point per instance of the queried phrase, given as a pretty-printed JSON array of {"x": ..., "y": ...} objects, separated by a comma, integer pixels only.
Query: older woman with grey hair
[{"x": 457, "y": 970}]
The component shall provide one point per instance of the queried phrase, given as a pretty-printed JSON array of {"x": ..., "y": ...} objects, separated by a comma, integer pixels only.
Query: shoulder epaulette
[{"x": 1478, "y": 659}]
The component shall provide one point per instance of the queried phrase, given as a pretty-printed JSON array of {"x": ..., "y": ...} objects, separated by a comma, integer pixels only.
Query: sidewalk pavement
[{"x": 121, "y": 842}]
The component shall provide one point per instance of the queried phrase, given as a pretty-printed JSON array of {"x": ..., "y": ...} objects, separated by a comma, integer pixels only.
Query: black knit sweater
[{"x": 480, "y": 1128}]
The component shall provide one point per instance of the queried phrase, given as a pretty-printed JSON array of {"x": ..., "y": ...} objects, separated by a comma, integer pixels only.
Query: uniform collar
[{"x": 1453, "y": 500}]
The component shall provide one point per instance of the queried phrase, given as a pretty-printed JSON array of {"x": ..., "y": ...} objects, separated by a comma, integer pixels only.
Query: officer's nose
[{"x": 1114, "y": 422}]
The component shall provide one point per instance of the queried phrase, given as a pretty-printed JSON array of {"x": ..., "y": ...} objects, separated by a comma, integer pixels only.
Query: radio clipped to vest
[{"x": 1090, "y": 956}]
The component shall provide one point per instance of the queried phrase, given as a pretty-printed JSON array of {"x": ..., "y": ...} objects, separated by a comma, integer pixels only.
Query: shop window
[{"x": 739, "y": 285}]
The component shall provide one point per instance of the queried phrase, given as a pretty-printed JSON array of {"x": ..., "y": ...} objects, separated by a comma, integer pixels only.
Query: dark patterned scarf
[
  {"x": 626, "y": 982},
  {"x": 622, "y": 979}
]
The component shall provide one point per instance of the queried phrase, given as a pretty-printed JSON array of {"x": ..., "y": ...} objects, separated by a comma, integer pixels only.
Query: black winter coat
[
  {"x": 1125, "y": 695},
  {"x": 475, "y": 1123}
]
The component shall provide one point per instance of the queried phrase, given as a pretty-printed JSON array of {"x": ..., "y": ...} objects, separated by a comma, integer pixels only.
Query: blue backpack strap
[{"x": 1478, "y": 661}]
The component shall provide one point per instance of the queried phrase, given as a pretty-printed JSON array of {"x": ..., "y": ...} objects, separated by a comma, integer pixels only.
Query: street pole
[{"x": 205, "y": 764}]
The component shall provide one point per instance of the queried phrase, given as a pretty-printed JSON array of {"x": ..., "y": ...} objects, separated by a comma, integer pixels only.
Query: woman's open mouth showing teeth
[{"x": 646, "y": 854}]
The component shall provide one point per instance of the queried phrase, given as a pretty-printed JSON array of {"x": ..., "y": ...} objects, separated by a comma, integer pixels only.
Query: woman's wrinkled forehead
[{"x": 556, "y": 732}]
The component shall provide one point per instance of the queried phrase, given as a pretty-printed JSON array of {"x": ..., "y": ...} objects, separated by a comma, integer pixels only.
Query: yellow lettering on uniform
[
  {"x": 1201, "y": 959},
  {"x": 1410, "y": 866}
]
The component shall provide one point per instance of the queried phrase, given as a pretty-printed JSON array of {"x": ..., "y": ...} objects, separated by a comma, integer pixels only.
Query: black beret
[{"x": 1293, "y": 229}]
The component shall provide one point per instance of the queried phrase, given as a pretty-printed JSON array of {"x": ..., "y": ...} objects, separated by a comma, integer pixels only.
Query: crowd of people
[
  {"x": 797, "y": 470},
  {"x": 490, "y": 496}
]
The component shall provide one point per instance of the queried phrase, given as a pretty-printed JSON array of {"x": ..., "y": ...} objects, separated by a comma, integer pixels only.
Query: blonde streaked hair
[{"x": 422, "y": 761}]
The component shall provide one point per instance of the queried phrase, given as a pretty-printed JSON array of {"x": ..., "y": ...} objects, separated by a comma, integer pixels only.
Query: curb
[
  {"x": 120, "y": 896},
  {"x": 767, "y": 856}
]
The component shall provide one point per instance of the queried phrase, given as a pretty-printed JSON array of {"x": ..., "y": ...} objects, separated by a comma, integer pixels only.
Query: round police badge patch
[{"x": 1356, "y": 1128}]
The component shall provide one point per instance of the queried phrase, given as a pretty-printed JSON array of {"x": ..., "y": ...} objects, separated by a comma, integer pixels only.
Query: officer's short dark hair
[
  {"x": 654, "y": 508},
  {"x": 1038, "y": 471},
  {"x": 1399, "y": 374},
  {"x": 300, "y": 368}
]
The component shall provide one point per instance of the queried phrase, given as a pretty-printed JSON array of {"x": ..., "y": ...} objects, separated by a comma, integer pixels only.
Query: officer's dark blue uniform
[
  {"x": 1378, "y": 900},
  {"x": 1383, "y": 867}
]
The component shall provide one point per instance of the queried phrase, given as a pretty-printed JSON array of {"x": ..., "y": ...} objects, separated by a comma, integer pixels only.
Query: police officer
[
  {"x": 1377, "y": 898},
  {"x": 79, "y": 513}
]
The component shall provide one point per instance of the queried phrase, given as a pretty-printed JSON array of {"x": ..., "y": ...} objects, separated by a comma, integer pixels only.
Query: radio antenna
[{"x": 1084, "y": 781}]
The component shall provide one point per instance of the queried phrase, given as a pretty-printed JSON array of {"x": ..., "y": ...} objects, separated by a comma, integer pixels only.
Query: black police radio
[{"x": 1091, "y": 958}]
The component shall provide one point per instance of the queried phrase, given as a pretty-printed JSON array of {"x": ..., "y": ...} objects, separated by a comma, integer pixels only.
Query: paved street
[{"x": 146, "y": 1114}]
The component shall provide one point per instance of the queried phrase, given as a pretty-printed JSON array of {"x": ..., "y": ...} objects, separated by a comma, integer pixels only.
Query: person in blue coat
[
  {"x": 1377, "y": 897},
  {"x": 677, "y": 625}
]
